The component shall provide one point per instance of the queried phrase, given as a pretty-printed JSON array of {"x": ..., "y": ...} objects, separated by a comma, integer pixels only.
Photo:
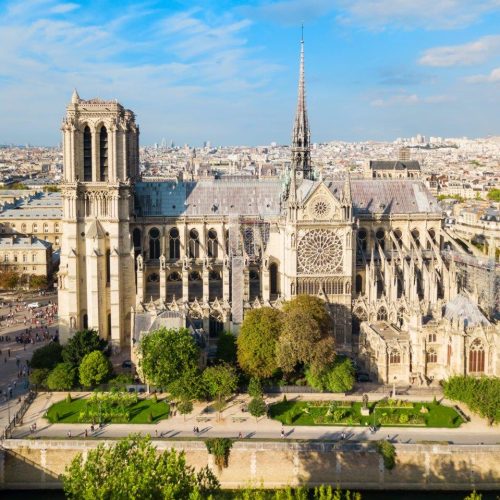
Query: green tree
[
  {"x": 81, "y": 344},
  {"x": 166, "y": 354},
  {"x": 388, "y": 452},
  {"x": 132, "y": 469},
  {"x": 47, "y": 356},
  {"x": 494, "y": 195},
  {"x": 62, "y": 377},
  {"x": 37, "y": 281},
  {"x": 94, "y": 369},
  {"x": 38, "y": 377},
  {"x": 257, "y": 407},
  {"x": 336, "y": 377},
  {"x": 226, "y": 348},
  {"x": 307, "y": 335},
  {"x": 474, "y": 496},
  {"x": 255, "y": 388},
  {"x": 257, "y": 341},
  {"x": 188, "y": 387},
  {"x": 220, "y": 382},
  {"x": 185, "y": 408},
  {"x": 9, "y": 279}
]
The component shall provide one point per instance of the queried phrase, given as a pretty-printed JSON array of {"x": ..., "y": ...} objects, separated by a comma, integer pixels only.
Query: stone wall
[{"x": 31, "y": 464}]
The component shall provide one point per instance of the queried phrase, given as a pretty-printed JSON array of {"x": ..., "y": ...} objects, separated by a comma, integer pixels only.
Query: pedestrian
[
  {"x": 86, "y": 433},
  {"x": 240, "y": 435},
  {"x": 8, "y": 351},
  {"x": 69, "y": 434},
  {"x": 343, "y": 435},
  {"x": 194, "y": 430},
  {"x": 156, "y": 433},
  {"x": 282, "y": 433}
]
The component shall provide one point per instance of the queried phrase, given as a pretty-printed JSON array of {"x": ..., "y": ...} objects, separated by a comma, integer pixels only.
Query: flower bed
[{"x": 339, "y": 413}]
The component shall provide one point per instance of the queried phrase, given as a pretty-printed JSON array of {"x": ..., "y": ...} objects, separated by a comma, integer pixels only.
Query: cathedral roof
[
  {"x": 209, "y": 197},
  {"x": 370, "y": 196},
  {"x": 464, "y": 309},
  {"x": 394, "y": 165}
]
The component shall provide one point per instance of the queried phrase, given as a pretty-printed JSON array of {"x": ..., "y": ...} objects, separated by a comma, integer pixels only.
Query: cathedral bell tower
[{"x": 101, "y": 163}]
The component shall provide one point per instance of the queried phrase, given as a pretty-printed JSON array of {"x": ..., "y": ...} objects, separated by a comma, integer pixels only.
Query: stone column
[
  {"x": 246, "y": 284},
  {"x": 265, "y": 285},
  {"x": 226, "y": 290},
  {"x": 163, "y": 278},
  {"x": 205, "y": 278},
  {"x": 140, "y": 279},
  {"x": 185, "y": 284}
]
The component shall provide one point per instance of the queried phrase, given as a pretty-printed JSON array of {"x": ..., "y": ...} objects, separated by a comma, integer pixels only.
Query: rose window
[
  {"x": 320, "y": 209},
  {"x": 320, "y": 251}
]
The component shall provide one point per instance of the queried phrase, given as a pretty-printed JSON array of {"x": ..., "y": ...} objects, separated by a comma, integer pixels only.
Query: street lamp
[{"x": 394, "y": 387}]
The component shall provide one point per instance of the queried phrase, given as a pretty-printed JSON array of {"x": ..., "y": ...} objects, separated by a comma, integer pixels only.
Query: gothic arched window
[
  {"x": 174, "y": 244},
  {"x": 380, "y": 235},
  {"x": 194, "y": 244},
  {"x": 382, "y": 314},
  {"x": 362, "y": 235},
  {"x": 103, "y": 154},
  {"x": 213, "y": 244},
  {"x": 87, "y": 154},
  {"x": 273, "y": 278},
  {"x": 476, "y": 357},
  {"x": 399, "y": 237},
  {"x": 432, "y": 356},
  {"x": 359, "y": 283},
  {"x": 395, "y": 357},
  {"x": 416, "y": 236},
  {"x": 154, "y": 243}
]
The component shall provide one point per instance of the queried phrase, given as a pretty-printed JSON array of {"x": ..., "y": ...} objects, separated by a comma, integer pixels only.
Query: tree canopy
[
  {"x": 307, "y": 335},
  {"x": 9, "y": 279},
  {"x": 494, "y": 195},
  {"x": 62, "y": 377},
  {"x": 257, "y": 341},
  {"x": 226, "y": 348},
  {"x": 166, "y": 355},
  {"x": 81, "y": 344},
  {"x": 133, "y": 469},
  {"x": 47, "y": 356},
  {"x": 95, "y": 368},
  {"x": 220, "y": 382},
  {"x": 336, "y": 377}
]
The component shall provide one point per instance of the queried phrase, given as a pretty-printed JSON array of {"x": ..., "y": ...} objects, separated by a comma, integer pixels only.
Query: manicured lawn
[
  {"x": 136, "y": 412},
  {"x": 383, "y": 413}
]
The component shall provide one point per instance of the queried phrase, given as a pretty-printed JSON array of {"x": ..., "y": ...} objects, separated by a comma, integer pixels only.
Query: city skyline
[{"x": 226, "y": 71}]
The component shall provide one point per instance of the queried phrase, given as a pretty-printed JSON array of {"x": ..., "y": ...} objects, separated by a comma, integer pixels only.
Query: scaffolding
[{"x": 480, "y": 276}]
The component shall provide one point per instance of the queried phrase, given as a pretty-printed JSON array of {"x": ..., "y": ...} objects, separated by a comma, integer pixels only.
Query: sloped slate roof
[
  {"x": 26, "y": 242},
  {"x": 461, "y": 307},
  {"x": 209, "y": 197},
  {"x": 394, "y": 165}
]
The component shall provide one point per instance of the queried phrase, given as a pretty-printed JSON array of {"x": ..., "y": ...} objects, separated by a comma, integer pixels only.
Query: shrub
[
  {"x": 61, "y": 378},
  {"x": 185, "y": 407},
  {"x": 150, "y": 417},
  {"x": 388, "y": 452},
  {"x": 220, "y": 448},
  {"x": 404, "y": 418},
  {"x": 257, "y": 407},
  {"x": 47, "y": 356},
  {"x": 38, "y": 377},
  {"x": 255, "y": 388}
]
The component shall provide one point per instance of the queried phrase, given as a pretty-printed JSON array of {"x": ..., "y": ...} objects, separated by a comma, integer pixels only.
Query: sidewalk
[{"x": 235, "y": 421}]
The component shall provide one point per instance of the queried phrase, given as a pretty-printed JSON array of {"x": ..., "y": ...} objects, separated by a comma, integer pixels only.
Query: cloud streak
[{"x": 493, "y": 77}]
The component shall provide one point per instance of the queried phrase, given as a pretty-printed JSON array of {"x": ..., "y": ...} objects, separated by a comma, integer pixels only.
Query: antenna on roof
[{"x": 302, "y": 37}]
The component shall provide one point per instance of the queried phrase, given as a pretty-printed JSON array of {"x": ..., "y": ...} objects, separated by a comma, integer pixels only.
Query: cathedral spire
[{"x": 301, "y": 137}]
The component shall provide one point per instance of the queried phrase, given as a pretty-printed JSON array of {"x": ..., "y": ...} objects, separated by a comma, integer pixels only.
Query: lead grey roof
[
  {"x": 382, "y": 196},
  {"x": 32, "y": 213},
  {"x": 209, "y": 197},
  {"x": 394, "y": 165},
  {"x": 462, "y": 308}
]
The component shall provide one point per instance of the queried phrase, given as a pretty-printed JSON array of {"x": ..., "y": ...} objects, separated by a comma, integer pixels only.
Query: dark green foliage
[
  {"x": 62, "y": 377},
  {"x": 257, "y": 341},
  {"x": 220, "y": 382},
  {"x": 167, "y": 355},
  {"x": 188, "y": 387},
  {"x": 47, "y": 356},
  {"x": 388, "y": 452},
  {"x": 81, "y": 344},
  {"x": 226, "y": 348},
  {"x": 185, "y": 407},
  {"x": 257, "y": 407},
  {"x": 255, "y": 388},
  {"x": 336, "y": 377},
  {"x": 220, "y": 449},
  {"x": 133, "y": 469},
  {"x": 121, "y": 381},
  {"x": 38, "y": 377},
  {"x": 481, "y": 395},
  {"x": 95, "y": 368}
]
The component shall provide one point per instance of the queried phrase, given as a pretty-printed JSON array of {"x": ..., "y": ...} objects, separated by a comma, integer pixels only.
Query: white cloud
[
  {"x": 63, "y": 8},
  {"x": 427, "y": 14},
  {"x": 493, "y": 77},
  {"x": 474, "y": 52},
  {"x": 404, "y": 99}
]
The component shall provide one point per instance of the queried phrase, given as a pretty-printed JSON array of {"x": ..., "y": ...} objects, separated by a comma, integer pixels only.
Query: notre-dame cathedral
[{"x": 137, "y": 254}]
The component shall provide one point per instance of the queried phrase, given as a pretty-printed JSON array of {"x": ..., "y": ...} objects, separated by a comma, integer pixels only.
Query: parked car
[
  {"x": 127, "y": 364},
  {"x": 33, "y": 305}
]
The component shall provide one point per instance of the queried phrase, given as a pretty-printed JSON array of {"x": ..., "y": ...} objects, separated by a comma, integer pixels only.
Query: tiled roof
[{"x": 461, "y": 307}]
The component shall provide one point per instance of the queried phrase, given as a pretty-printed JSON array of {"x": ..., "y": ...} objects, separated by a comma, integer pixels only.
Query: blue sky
[{"x": 227, "y": 71}]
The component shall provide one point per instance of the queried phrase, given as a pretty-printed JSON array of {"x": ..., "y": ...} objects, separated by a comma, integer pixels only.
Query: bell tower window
[
  {"x": 103, "y": 154},
  {"x": 87, "y": 155}
]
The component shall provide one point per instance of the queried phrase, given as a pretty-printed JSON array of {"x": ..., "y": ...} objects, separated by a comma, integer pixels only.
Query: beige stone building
[
  {"x": 26, "y": 255},
  {"x": 135, "y": 252}
]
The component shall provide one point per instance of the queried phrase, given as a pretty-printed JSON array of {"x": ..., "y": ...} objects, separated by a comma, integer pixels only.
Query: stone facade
[
  {"x": 26, "y": 255},
  {"x": 209, "y": 250}
]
